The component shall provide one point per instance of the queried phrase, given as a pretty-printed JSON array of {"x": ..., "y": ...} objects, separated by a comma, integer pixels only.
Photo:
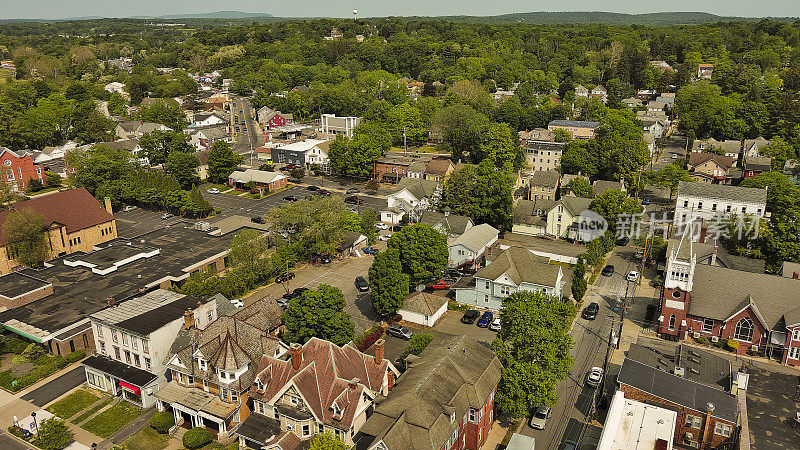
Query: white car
[
  {"x": 495, "y": 325},
  {"x": 129, "y": 208},
  {"x": 237, "y": 303},
  {"x": 632, "y": 276},
  {"x": 385, "y": 237},
  {"x": 212, "y": 190},
  {"x": 594, "y": 377},
  {"x": 381, "y": 226}
]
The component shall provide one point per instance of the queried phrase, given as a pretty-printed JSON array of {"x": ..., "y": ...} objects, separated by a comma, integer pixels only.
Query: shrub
[
  {"x": 75, "y": 356},
  {"x": 452, "y": 305},
  {"x": 16, "y": 431},
  {"x": 162, "y": 421},
  {"x": 14, "y": 345},
  {"x": 702, "y": 340},
  {"x": 18, "y": 359},
  {"x": 33, "y": 351},
  {"x": 417, "y": 344},
  {"x": 369, "y": 337},
  {"x": 397, "y": 318},
  {"x": 53, "y": 434},
  {"x": 215, "y": 446},
  {"x": 196, "y": 438},
  {"x": 732, "y": 345}
]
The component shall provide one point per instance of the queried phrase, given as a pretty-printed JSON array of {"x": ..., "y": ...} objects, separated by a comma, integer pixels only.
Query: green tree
[
  {"x": 184, "y": 167},
  {"x": 562, "y": 135},
  {"x": 368, "y": 225},
  {"x": 780, "y": 239},
  {"x": 461, "y": 130},
  {"x": 422, "y": 252},
  {"x": 500, "y": 145},
  {"x": 387, "y": 283},
  {"x": 25, "y": 231},
  {"x": 320, "y": 224},
  {"x": 483, "y": 193},
  {"x": 779, "y": 150},
  {"x": 158, "y": 145},
  {"x": 534, "y": 347},
  {"x": 53, "y": 434},
  {"x": 668, "y": 177},
  {"x": 612, "y": 203},
  {"x": 356, "y": 157},
  {"x": 165, "y": 112},
  {"x": 116, "y": 104},
  {"x": 222, "y": 161},
  {"x": 579, "y": 284},
  {"x": 318, "y": 313},
  {"x": 581, "y": 187},
  {"x": 327, "y": 441}
]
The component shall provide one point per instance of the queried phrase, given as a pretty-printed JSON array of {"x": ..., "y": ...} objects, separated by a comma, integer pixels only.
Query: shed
[{"x": 423, "y": 308}]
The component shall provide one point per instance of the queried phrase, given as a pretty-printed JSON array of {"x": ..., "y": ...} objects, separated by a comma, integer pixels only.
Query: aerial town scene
[{"x": 364, "y": 225}]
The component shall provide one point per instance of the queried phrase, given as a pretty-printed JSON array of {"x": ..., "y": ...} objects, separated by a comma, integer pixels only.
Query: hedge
[
  {"x": 162, "y": 421},
  {"x": 417, "y": 344},
  {"x": 196, "y": 438},
  {"x": 369, "y": 337}
]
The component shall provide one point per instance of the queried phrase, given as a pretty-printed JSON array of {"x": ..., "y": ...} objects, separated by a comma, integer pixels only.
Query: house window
[
  {"x": 103, "y": 348},
  {"x": 116, "y": 353},
  {"x": 794, "y": 352},
  {"x": 189, "y": 380},
  {"x": 320, "y": 428},
  {"x": 306, "y": 430},
  {"x": 744, "y": 209},
  {"x": 210, "y": 316},
  {"x": 10, "y": 175},
  {"x": 136, "y": 360},
  {"x": 672, "y": 322},
  {"x": 713, "y": 206},
  {"x": 127, "y": 357},
  {"x": 147, "y": 364},
  {"x": 708, "y": 325},
  {"x": 728, "y": 209},
  {"x": 234, "y": 396},
  {"x": 99, "y": 331},
  {"x": 699, "y": 206},
  {"x": 796, "y": 335},
  {"x": 486, "y": 298},
  {"x": 694, "y": 421},
  {"x": 686, "y": 203},
  {"x": 723, "y": 429},
  {"x": 145, "y": 347},
  {"x": 505, "y": 290},
  {"x": 114, "y": 336},
  {"x": 744, "y": 330},
  {"x": 487, "y": 285},
  {"x": 134, "y": 343},
  {"x": 472, "y": 415},
  {"x": 124, "y": 339}
]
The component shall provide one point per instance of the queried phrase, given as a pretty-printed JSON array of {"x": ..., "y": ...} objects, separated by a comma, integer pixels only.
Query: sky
[{"x": 52, "y": 9}]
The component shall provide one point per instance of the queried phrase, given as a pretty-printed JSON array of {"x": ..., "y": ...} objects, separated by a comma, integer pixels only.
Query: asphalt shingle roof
[
  {"x": 722, "y": 191},
  {"x": 544, "y": 178},
  {"x": 476, "y": 237},
  {"x": 522, "y": 266}
]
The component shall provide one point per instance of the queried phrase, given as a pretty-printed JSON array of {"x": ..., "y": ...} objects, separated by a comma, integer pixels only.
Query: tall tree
[
  {"x": 616, "y": 207},
  {"x": 387, "y": 283},
  {"x": 461, "y": 130},
  {"x": 422, "y": 252},
  {"x": 482, "y": 193},
  {"x": 184, "y": 167},
  {"x": 500, "y": 145},
  {"x": 581, "y": 187},
  {"x": 318, "y": 313},
  {"x": 26, "y": 233},
  {"x": 166, "y": 112},
  {"x": 579, "y": 284},
  {"x": 222, "y": 161},
  {"x": 158, "y": 145}
]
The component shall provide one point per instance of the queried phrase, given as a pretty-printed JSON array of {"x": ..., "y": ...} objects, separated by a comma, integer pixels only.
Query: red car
[{"x": 441, "y": 284}]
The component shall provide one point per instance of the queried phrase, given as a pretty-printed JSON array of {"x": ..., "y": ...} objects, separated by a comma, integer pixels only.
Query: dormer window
[
  {"x": 202, "y": 364},
  {"x": 337, "y": 411},
  {"x": 452, "y": 417},
  {"x": 259, "y": 385}
]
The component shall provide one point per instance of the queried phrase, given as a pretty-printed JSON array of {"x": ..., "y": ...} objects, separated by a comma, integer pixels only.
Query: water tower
[{"x": 355, "y": 14}]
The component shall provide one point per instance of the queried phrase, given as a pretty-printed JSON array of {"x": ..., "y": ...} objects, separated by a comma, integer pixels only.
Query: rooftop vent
[{"x": 680, "y": 372}]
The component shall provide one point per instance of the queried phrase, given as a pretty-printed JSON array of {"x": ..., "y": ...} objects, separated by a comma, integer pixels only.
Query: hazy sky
[{"x": 340, "y": 8}]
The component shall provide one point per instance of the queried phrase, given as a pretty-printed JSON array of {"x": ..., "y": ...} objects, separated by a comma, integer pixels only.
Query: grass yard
[
  {"x": 111, "y": 420},
  {"x": 147, "y": 439},
  {"x": 88, "y": 413},
  {"x": 221, "y": 187},
  {"x": 73, "y": 404}
]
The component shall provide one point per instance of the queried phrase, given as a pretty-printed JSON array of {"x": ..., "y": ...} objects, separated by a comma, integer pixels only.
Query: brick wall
[
  {"x": 82, "y": 341},
  {"x": 26, "y": 298}
]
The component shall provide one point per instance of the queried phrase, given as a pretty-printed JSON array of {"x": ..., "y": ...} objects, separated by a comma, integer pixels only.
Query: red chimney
[
  {"x": 703, "y": 231},
  {"x": 380, "y": 346},
  {"x": 296, "y": 350},
  {"x": 796, "y": 275}
]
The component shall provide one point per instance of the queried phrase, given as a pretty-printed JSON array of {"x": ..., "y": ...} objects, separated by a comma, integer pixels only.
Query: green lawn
[
  {"x": 73, "y": 404},
  {"x": 147, "y": 439},
  {"x": 109, "y": 421},
  {"x": 221, "y": 187},
  {"x": 88, "y": 413}
]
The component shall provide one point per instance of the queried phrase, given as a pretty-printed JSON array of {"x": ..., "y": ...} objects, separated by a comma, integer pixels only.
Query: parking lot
[{"x": 139, "y": 221}]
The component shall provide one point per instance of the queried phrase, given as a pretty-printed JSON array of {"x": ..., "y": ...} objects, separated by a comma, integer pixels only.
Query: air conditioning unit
[
  {"x": 754, "y": 348},
  {"x": 679, "y": 372},
  {"x": 696, "y": 334},
  {"x": 714, "y": 338}
]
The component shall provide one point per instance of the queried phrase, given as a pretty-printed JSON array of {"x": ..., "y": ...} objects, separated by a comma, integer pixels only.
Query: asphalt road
[
  {"x": 248, "y": 136},
  {"x": 590, "y": 337},
  {"x": 56, "y": 388},
  {"x": 9, "y": 443}
]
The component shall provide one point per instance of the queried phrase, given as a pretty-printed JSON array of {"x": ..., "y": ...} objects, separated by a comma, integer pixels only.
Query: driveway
[{"x": 56, "y": 388}]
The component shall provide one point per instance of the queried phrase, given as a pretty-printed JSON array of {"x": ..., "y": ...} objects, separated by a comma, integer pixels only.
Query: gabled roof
[
  {"x": 574, "y": 205},
  {"x": 424, "y": 303},
  {"x": 600, "y": 186},
  {"x": 521, "y": 266},
  {"x": 696, "y": 159},
  {"x": 758, "y": 163},
  {"x": 527, "y": 211},
  {"x": 544, "y": 178},
  {"x": 574, "y": 123},
  {"x": 256, "y": 176},
  {"x": 453, "y": 224},
  {"x": 439, "y": 166},
  {"x": 722, "y": 192},
  {"x": 76, "y": 209},
  {"x": 476, "y": 237},
  {"x": 418, "y": 187}
]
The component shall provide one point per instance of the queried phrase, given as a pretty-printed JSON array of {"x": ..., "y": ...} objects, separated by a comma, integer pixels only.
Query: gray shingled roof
[
  {"x": 522, "y": 266},
  {"x": 419, "y": 188},
  {"x": 723, "y": 192},
  {"x": 476, "y": 237},
  {"x": 544, "y": 178},
  {"x": 600, "y": 186},
  {"x": 423, "y": 303},
  {"x": 452, "y": 223},
  {"x": 574, "y": 123},
  {"x": 526, "y": 211},
  {"x": 575, "y": 205}
]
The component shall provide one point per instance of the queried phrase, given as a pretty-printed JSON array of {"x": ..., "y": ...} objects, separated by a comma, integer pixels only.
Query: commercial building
[
  {"x": 330, "y": 124},
  {"x": 632, "y": 425},
  {"x": 712, "y": 202}
]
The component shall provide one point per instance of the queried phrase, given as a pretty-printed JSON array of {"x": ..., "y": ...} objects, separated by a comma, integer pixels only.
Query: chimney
[
  {"x": 188, "y": 319},
  {"x": 107, "y": 202},
  {"x": 714, "y": 255},
  {"x": 296, "y": 350},
  {"x": 707, "y": 428},
  {"x": 796, "y": 275},
  {"x": 703, "y": 231},
  {"x": 380, "y": 346},
  {"x": 353, "y": 384}
]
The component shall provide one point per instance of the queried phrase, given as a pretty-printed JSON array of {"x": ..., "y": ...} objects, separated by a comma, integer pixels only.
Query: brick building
[
  {"x": 75, "y": 222},
  {"x": 444, "y": 400},
  {"x": 578, "y": 129},
  {"x": 18, "y": 169}
]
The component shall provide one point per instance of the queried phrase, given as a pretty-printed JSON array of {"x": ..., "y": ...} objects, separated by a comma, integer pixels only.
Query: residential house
[
  {"x": 116, "y": 87},
  {"x": 211, "y": 370},
  {"x": 695, "y": 384},
  {"x": 320, "y": 388},
  {"x": 351, "y": 243},
  {"x": 131, "y": 146},
  {"x": 600, "y": 92},
  {"x": 135, "y": 129},
  {"x": 394, "y": 166},
  {"x": 415, "y": 170},
  {"x": 423, "y": 308},
  {"x": 269, "y": 118},
  {"x": 304, "y": 154},
  {"x": 75, "y": 222},
  {"x": 450, "y": 225},
  {"x": 752, "y": 147},
  {"x": 547, "y": 248},
  {"x": 19, "y": 169},
  {"x": 566, "y": 178},
  {"x": 438, "y": 169},
  {"x": 791, "y": 168},
  {"x": 444, "y": 400},
  {"x": 704, "y": 145},
  {"x": 544, "y": 185},
  {"x": 653, "y": 125},
  {"x": 465, "y": 250},
  {"x": 412, "y": 197},
  {"x": 758, "y": 311},
  {"x": 711, "y": 202},
  {"x": 631, "y": 102},
  {"x": 710, "y": 168},
  {"x": 562, "y": 218},
  {"x": 513, "y": 270},
  {"x": 668, "y": 99},
  {"x": 730, "y": 148},
  {"x": 601, "y": 186},
  {"x": 705, "y": 70},
  {"x": 581, "y": 91},
  {"x": 753, "y": 166},
  {"x": 530, "y": 216},
  {"x": 330, "y": 124},
  {"x": 542, "y": 152},
  {"x": 204, "y": 137},
  {"x": 790, "y": 270},
  {"x": 537, "y": 135},
  {"x": 650, "y": 141},
  {"x": 205, "y": 119},
  {"x": 264, "y": 181},
  {"x": 656, "y": 106},
  {"x": 578, "y": 129},
  {"x": 646, "y": 95},
  {"x": 633, "y": 425},
  {"x": 661, "y": 65},
  {"x": 132, "y": 339}
]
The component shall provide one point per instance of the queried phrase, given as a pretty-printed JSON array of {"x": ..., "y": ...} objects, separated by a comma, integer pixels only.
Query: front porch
[
  {"x": 120, "y": 380},
  {"x": 197, "y": 408}
]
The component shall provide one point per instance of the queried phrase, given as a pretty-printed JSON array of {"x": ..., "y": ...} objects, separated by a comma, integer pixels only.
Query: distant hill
[
  {"x": 215, "y": 15},
  {"x": 609, "y": 18}
]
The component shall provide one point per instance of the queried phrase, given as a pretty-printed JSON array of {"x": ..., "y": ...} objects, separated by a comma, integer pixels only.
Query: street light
[{"x": 35, "y": 425}]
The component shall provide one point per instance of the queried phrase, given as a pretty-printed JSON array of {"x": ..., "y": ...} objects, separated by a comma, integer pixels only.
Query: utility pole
[
  {"x": 644, "y": 258},
  {"x": 405, "y": 144}
]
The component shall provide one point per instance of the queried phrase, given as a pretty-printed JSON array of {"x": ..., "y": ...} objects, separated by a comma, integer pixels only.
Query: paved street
[
  {"x": 9, "y": 443},
  {"x": 248, "y": 135},
  {"x": 56, "y": 388}
]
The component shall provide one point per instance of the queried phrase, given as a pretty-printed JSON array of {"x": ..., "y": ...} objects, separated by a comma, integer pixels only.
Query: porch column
[
  {"x": 176, "y": 415},
  {"x": 222, "y": 429}
]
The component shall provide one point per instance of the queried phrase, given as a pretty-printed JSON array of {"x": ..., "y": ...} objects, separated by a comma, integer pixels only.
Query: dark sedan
[
  {"x": 361, "y": 284},
  {"x": 608, "y": 271},
  {"x": 470, "y": 316},
  {"x": 590, "y": 312},
  {"x": 486, "y": 319}
]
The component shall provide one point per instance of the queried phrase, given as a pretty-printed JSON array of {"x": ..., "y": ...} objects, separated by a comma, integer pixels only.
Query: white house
[
  {"x": 115, "y": 86},
  {"x": 204, "y": 137},
  {"x": 717, "y": 202},
  {"x": 515, "y": 269},
  {"x": 303, "y": 153},
  {"x": 423, "y": 308},
  {"x": 207, "y": 119},
  {"x": 464, "y": 250},
  {"x": 133, "y": 338},
  {"x": 412, "y": 196}
]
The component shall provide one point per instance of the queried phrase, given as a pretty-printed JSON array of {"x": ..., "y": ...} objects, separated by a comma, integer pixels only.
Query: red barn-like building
[{"x": 18, "y": 169}]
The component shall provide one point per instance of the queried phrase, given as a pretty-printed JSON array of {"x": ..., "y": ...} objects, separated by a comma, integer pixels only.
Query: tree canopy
[
  {"x": 222, "y": 161},
  {"x": 25, "y": 232},
  {"x": 483, "y": 193},
  {"x": 422, "y": 252},
  {"x": 318, "y": 313}
]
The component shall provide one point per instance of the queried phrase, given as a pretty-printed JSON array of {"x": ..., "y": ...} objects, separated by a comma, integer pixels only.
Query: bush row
[{"x": 43, "y": 367}]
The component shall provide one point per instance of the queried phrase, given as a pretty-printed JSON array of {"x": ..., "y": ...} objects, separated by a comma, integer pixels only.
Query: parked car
[
  {"x": 385, "y": 237},
  {"x": 237, "y": 303},
  {"x": 212, "y": 190},
  {"x": 325, "y": 259},
  {"x": 496, "y": 325},
  {"x": 166, "y": 216},
  {"x": 283, "y": 302},
  {"x": 607, "y": 271},
  {"x": 352, "y": 191},
  {"x": 486, "y": 318},
  {"x": 632, "y": 276},
  {"x": 323, "y": 192},
  {"x": 257, "y": 219},
  {"x": 289, "y": 167},
  {"x": 539, "y": 417},
  {"x": 313, "y": 188},
  {"x": 354, "y": 200},
  {"x": 299, "y": 291},
  {"x": 590, "y": 312},
  {"x": 129, "y": 208},
  {"x": 284, "y": 277},
  {"x": 594, "y": 377},
  {"x": 399, "y": 331},
  {"x": 674, "y": 156},
  {"x": 361, "y": 284},
  {"x": 646, "y": 201},
  {"x": 623, "y": 241},
  {"x": 290, "y": 198},
  {"x": 381, "y": 226},
  {"x": 469, "y": 316},
  {"x": 441, "y": 284},
  {"x": 370, "y": 250}
]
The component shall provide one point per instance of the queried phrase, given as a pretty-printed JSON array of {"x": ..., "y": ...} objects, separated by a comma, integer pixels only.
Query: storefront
[{"x": 121, "y": 380}]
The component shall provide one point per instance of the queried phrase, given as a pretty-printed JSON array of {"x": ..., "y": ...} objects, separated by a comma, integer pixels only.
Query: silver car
[{"x": 539, "y": 417}]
